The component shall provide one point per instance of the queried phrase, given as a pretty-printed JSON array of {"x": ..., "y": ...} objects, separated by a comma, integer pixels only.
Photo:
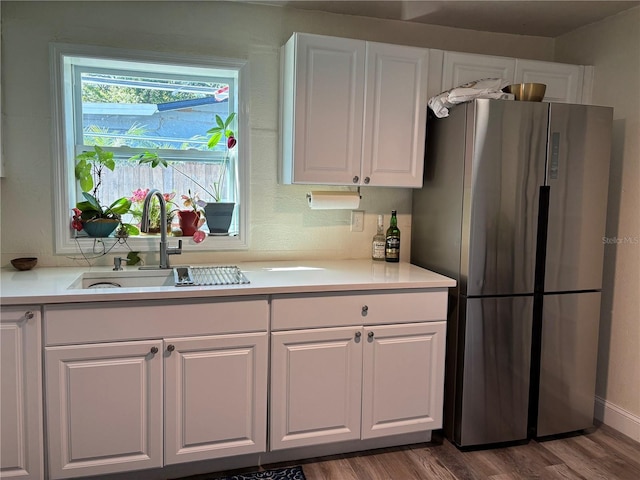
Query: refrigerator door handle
[
  {"x": 555, "y": 156},
  {"x": 541, "y": 240}
]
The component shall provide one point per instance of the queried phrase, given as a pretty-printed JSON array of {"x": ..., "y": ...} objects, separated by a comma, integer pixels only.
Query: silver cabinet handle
[
  {"x": 358, "y": 334},
  {"x": 366, "y": 180},
  {"x": 370, "y": 334},
  {"x": 365, "y": 310},
  {"x": 356, "y": 179},
  {"x": 171, "y": 347},
  {"x": 154, "y": 350},
  {"x": 29, "y": 315}
]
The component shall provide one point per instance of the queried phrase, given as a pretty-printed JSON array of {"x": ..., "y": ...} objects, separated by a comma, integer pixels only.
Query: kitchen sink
[
  {"x": 124, "y": 279},
  {"x": 174, "y": 277}
]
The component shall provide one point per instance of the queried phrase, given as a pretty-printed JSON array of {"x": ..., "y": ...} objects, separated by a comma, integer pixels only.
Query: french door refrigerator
[{"x": 513, "y": 207}]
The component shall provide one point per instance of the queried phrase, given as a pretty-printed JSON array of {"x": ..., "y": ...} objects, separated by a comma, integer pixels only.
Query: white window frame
[{"x": 64, "y": 149}]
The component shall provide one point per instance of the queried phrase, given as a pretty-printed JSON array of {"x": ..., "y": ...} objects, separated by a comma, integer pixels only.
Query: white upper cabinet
[
  {"x": 459, "y": 68},
  {"x": 395, "y": 115},
  {"x": 352, "y": 112},
  {"x": 565, "y": 82},
  {"x": 322, "y": 101}
]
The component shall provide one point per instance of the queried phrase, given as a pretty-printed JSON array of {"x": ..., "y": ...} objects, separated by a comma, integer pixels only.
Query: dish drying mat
[{"x": 199, "y": 276}]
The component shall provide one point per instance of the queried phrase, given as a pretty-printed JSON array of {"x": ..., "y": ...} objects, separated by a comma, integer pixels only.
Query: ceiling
[{"x": 544, "y": 18}]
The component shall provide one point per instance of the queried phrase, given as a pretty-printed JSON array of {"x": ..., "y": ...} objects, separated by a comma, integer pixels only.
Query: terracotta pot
[{"x": 188, "y": 222}]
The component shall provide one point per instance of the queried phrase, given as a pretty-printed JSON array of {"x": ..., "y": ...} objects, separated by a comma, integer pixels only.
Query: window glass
[
  {"x": 149, "y": 111},
  {"x": 130, "y": 107}
]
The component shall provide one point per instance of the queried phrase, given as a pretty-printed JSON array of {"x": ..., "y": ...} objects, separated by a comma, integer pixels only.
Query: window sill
[{"x": 91, "y": 247}]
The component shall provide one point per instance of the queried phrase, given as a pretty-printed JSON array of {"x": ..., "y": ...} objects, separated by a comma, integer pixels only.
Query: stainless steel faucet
[{"x": 165, "y": 251}]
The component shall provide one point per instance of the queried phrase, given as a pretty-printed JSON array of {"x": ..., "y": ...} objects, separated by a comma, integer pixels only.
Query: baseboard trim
[{"x": 617, "y": 418}]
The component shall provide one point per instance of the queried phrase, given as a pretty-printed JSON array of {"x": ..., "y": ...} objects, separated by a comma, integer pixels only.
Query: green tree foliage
[{"x": 104, "y": 93}]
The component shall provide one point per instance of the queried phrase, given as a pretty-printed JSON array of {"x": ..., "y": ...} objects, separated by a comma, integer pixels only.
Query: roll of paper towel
[{"x": 333, "y": 200}]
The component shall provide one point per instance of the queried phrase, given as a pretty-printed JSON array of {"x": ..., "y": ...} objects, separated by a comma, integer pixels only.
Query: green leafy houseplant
[
  {"x": 89, "y": 169},
  {"x": 221, "y": 128},
  {"x": 217, "y": 132}
]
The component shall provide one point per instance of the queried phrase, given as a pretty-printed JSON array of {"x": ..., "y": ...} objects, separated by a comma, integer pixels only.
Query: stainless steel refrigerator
[{"x": 513, "y": 207}]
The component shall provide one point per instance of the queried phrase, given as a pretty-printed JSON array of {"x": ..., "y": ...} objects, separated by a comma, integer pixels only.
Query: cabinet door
[
  {"x": 395, "y": 115},
  {"x": 215, "y": 396},
  {"x": 460, "y": 68},
  {"x": 316, "y": 380},
  {"x": 21, "y": 449},
  {"x": 104, "y": 408},
  {"x": 403, "y": 378},
  {"x": 563, "y": 81},
  {"x": 323, "y": 99}
]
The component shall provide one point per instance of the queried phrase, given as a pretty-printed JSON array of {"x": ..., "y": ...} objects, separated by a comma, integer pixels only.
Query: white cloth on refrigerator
[{"x": 485, "y": 88}]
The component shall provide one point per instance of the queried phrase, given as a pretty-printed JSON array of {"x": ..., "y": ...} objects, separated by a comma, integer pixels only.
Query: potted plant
[
  {"x": 191, "y": 219},
  {"x": 137, "y": 200},
  {"x": 91, "y": 215},
  {"x": 217, "y": 212}
]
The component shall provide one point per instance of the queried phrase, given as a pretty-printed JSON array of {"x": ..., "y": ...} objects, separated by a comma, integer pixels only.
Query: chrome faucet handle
[
  {"x": 117, "y": 263},
  {"x": 175, "y": 250}
]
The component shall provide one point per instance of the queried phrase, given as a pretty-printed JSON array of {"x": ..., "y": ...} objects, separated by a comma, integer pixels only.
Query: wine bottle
[
  {"x": 392, "y": 240},
  {"x": 378, "y": 243}
]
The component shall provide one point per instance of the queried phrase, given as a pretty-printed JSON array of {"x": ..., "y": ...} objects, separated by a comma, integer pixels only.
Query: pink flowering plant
[{"x": 137, "y": 202}]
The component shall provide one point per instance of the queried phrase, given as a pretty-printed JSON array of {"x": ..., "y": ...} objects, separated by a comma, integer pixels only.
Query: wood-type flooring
[{"x": 600, "y": 453}]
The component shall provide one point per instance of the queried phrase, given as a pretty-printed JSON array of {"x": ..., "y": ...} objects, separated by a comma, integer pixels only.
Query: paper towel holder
[{"x": 358, "y": 190}]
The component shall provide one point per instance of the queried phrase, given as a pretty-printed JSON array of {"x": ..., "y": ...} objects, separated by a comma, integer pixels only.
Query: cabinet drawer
[
  {"x": 366, "y": 308},
  {"x": 102, "y": 322}
]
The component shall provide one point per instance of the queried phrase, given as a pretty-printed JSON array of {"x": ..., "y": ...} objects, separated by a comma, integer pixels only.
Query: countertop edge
[{"x": 50, "y": 285}]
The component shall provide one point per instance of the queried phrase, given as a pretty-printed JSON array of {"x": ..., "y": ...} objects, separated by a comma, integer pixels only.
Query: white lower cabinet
[
  {"x": 403, "y": 378},
  {"x": 104, "y": 408},
  {"x": 143, "y": 385},
  {"x": 355, "y": 382},
  {"x": 21, "y": 444},
  {"x": 215, "y": 396},
  {"x": 130, "y": 405},
  {"x": 316, "y": 386}
]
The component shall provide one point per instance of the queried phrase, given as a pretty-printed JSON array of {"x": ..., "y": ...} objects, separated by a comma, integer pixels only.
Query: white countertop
[{"x": 51, "y": 284}]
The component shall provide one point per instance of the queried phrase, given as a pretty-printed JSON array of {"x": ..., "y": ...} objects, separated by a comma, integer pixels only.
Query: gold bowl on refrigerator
[{"x": 528, "y": 92}]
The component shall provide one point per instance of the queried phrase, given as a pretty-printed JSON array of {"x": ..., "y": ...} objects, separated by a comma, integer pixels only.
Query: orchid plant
[{"x": 89, "y": 169}]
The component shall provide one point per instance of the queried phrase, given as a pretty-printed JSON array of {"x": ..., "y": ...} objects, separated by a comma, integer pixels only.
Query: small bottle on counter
[
  {"x": 392, "y": 242},
  {"x": 379, "y": 241}
]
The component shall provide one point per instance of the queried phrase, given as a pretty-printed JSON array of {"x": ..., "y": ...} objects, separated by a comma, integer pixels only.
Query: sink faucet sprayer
[{"x": 165, "y": 251}]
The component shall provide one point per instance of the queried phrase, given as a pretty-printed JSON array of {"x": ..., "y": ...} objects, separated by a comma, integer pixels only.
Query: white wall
[
  {"x": 282, "y": 226},
  {"x": 613, "y": 48}
]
